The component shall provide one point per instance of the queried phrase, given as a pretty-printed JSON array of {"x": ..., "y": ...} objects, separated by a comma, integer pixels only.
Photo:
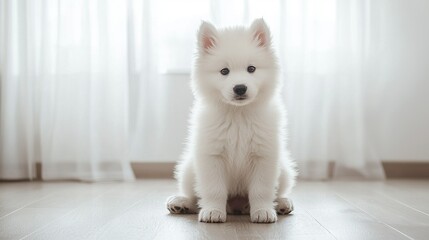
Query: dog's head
[{"x": 235, "y": 65}]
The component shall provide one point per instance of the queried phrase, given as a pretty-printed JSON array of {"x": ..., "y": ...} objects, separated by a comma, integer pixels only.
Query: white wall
[{"x": 404, "y": 73}]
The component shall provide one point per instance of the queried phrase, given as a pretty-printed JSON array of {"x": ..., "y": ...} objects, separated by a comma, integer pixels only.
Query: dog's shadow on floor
[
  {"x": 231, "y": 218},
  {"x": 187, "y": 226}
]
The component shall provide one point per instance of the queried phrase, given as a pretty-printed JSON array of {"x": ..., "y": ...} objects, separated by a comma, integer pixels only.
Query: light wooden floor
[{"x": 323, "y": 210}]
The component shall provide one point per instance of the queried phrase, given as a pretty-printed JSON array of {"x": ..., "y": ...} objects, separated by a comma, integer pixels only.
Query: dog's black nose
[{"x": 240, "y": 89}]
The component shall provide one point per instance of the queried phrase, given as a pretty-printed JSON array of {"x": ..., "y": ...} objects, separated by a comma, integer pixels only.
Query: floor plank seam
[
  {"x": 119, "y": 215},
  {"x": 26, "y": 205},
  {"x": 373, "y": 217},
  {"x": 309, "y": 213},
  {"x": 403, "y": 204},
  {"x": 64, "y": 215}
]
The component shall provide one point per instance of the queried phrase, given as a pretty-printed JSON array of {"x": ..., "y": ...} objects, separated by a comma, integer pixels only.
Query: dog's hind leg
[
  {"x": 283, "y": 206},
  {"x": 186, "y": 202},
  {"x": 180, "y": 204},
  {"x": 286, "y": 182}
]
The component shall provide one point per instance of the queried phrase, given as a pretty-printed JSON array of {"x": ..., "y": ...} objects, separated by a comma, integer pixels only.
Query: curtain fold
[
  {"x": 88, "y": 86},
  {"x": 65, "y": 90}
]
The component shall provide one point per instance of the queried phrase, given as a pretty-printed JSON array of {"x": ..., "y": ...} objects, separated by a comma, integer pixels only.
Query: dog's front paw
[
  {"x": 263, "y": 216},
  {"x": 212, "y": 216},
  {"x": 284, "y": 206}
]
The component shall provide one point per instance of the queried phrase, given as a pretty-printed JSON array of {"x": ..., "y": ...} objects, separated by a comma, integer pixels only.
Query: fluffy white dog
[{"x": 236, "y": 159}]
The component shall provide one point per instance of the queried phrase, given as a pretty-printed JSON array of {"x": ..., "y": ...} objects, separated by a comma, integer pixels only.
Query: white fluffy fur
[{"x": 236, "y": 150}]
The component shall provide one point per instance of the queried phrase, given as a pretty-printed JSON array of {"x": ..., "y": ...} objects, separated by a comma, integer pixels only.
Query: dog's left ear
[{"x": 261, "y": 32}]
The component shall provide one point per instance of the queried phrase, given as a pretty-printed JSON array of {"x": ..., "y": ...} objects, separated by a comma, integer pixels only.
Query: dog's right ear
[{"x": 206, "y": 37}]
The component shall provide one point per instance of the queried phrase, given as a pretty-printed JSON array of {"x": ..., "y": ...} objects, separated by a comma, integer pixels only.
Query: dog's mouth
[
  {"x": 237, "y": 100},
  {"x": 240, "y": 98}
]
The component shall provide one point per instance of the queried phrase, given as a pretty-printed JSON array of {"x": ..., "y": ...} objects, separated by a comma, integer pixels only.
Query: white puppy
[{"x": 236, "y": 155}]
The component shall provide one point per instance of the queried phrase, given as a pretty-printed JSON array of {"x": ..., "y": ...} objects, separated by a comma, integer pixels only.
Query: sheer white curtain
[
  {"x": 329, "y": 53},
  {"x": 88, "y": 86},
  {"x": 330, "y": 57},
  {"x": 64, "y": 90},
  {"x": 328, "y": 50}
]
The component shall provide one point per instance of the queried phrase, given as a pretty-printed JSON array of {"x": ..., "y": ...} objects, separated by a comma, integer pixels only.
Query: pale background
[
  {"x": 404, "y": 134},
  {"x": 87, "y": 87}
]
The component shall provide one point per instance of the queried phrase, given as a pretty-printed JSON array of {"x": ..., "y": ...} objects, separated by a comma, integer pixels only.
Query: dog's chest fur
[
  {"x": 238, "y": 135},
  {"x": 239, "y": 138}
]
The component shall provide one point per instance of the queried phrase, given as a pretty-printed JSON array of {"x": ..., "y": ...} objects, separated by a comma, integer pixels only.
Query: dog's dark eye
[
  {"x": 224, "y": 71},
  {"x": 251, "y": 69}
]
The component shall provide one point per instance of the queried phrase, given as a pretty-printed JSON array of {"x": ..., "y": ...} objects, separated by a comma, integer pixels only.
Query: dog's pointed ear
[
  {"x": 261, "y": 32},
  {"x": 207, "y": 35}
]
